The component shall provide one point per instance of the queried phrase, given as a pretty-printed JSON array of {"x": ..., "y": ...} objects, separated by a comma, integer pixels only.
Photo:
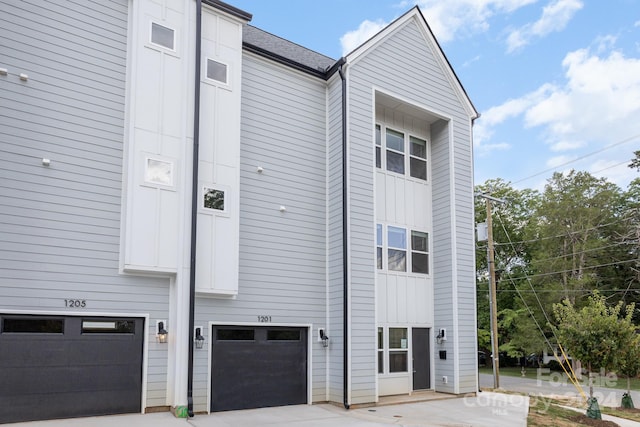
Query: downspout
[
  {"x": 194, "y": 205},
  {"x": 345, "y": 234}
]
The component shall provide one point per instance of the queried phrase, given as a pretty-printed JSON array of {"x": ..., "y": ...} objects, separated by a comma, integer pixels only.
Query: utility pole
[{"x": 493, "y": 304}]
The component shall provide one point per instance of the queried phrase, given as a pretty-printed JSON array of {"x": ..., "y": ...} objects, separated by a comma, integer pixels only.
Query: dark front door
[
  {"x": 64, "y": 367},
  {"x": 256, "y": 367},
  {"x": 421, "y": 358}
]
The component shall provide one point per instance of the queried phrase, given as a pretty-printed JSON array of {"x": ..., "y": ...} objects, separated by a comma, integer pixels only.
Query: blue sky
[{"x": 557, "y": 82}]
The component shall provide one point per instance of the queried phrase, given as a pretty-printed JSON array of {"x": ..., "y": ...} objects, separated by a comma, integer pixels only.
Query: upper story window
[
  {"x": 163, "y": 36},
  {"x": 402, "y": 255},
  {"x": 379, "y": 246},
  {"x": 418, "y": 158},
  {"x": 217, "y": 71},
  {"x": 397, "y": 248},
  {"x": 419, "y": 252},
  {"x": 378, "y": 146},
  {"x": 396, "y": 145},
  {"x": 395, "y": 151}
]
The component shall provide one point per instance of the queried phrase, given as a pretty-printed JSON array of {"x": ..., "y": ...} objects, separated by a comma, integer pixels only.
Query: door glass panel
[{"x": 397, "y": 361}]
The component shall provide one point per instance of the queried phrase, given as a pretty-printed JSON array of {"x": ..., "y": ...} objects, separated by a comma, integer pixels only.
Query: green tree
[
  {"x": 629, "y": 366},
  {"x": 596, "y": 334}
]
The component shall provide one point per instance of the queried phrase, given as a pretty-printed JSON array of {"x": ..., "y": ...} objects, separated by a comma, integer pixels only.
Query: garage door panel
[
  {"x": 261, "y": 372},
  {"x": 70, "y": 374}
]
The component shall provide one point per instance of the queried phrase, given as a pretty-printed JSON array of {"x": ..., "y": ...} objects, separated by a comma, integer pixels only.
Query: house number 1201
[{"x": 264, "y": 319}]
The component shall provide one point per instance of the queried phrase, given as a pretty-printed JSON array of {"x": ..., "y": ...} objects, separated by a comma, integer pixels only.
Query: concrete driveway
[{"x": 484, "y": 410}]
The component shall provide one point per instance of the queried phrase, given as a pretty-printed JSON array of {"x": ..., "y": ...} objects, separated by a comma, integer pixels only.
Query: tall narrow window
[
  {"x": 380, "y": 350},
  {"x": 419, "y": 252},
  {"x": 398, "y": 349},
  {"x": 397, "y": 252},
  {"x": 395, "y": 151},
  {"x": 379, "y": 246},
  {"x": 418, "y": 158},
  {"x": 378, "y": 147}
]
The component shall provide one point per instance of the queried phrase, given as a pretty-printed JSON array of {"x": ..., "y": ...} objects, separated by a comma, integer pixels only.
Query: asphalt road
[{"x": 553, "y": 383}]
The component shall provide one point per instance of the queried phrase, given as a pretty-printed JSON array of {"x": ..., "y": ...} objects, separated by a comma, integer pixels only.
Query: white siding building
[{"x": 301, "y": 227}]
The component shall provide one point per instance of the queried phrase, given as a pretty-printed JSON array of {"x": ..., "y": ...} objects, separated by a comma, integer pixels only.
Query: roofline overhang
[
  {"x": 231, "y": 10},
  {"x": 286, "y": 61}
]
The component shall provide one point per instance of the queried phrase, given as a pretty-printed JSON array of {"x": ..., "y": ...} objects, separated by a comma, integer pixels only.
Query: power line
[
  {"x": 529, "y": 276},
  {"x": 608, "y": 147}
]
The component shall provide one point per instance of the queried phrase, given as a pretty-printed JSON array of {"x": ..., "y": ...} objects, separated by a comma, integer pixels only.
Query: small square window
[
  {"x": 158, "y": 172},
  {"x": 162, "y": 36},
  {"x": 213, "y": 199},
  {"x": 217, "y": 71}
]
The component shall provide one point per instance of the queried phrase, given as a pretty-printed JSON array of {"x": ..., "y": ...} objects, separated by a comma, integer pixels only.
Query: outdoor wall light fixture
[
  {"x": 324, "y": 338},
  {"x": 199, "y": 339},
  {"x": 162, "y": 333}
]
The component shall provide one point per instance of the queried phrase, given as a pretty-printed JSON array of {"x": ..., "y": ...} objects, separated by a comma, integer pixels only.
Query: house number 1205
[
  {"x": 264, "y": 319},
  {"x": 75, "y": 303}
]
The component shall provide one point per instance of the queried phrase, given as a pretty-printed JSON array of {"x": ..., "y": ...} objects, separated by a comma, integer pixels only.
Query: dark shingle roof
[{"x": 279, "y": 49}]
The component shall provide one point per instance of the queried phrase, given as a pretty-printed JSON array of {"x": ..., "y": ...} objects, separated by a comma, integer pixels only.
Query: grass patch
[
  {"x": 532, "y": 373},
  {"x": 629, "y": 414},
  {"x": 545, "y": 413}
]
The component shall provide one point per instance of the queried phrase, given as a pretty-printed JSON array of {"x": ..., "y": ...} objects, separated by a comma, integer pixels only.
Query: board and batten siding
[
  {"x": 386, "y": 67},
  {"x": 60, "y": 224},
  {"x": 282, "y": 271}
]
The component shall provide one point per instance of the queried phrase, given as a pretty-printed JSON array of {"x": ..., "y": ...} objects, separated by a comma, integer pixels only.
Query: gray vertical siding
[
  {"x": 282, "y": 255},
  {"x": 405, "y": 65},
  {"x": 60, "y": 225}
]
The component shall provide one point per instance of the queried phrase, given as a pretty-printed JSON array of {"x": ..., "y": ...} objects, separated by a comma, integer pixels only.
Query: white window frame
[
  {"x": 393, "y": 150},
  {"x": 217, "y": 187},
  {"x": 412, "y": 251},
  {"x": 215, "y": 82},
  {"x": 397, "y": 248},
  {"x": 151, "y": 43},
  {"x": 422, "y": 159},
  {"x": 407, "y": 136},
  {"x": 143, "y": 158},
  {"x": 384, "y": 228},
  {"x": 386, "y": 351}
]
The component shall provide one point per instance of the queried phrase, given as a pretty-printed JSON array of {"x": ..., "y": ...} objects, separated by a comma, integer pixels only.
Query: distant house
[{"x": 301, "y": 227}]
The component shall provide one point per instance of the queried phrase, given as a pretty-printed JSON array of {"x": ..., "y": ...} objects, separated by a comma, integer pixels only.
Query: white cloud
[
  {"x": 555, "y": 17},
  {"x": 600, "y": 100},
  {"x": 596, "y": 106},
  {"x": 483, "y": 130},
  {"x": 365, "y": 31},
  {"x": 449, "y": 18},
  {"x": 637, "y": 24}
]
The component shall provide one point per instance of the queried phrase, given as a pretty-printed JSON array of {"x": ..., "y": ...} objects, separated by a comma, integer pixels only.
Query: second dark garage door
[{"x": 257, "y": 367}]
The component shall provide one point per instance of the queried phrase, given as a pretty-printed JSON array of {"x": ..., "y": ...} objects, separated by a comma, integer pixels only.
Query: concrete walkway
[{"x": 485, "y": 410}]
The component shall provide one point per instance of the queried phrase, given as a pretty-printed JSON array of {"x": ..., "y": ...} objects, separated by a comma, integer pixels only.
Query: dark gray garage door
[
  {"x": 63, "y": 367},
  {"x": 257, "y": 367}
]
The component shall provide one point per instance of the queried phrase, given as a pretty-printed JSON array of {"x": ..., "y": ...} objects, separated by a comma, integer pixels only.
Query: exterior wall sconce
[
  {"x": 442, "y": 336},
  {"x": 199, "y": 339},
  {"x": 162, "y": 333},
  {"x": 323, "y": 337}
]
